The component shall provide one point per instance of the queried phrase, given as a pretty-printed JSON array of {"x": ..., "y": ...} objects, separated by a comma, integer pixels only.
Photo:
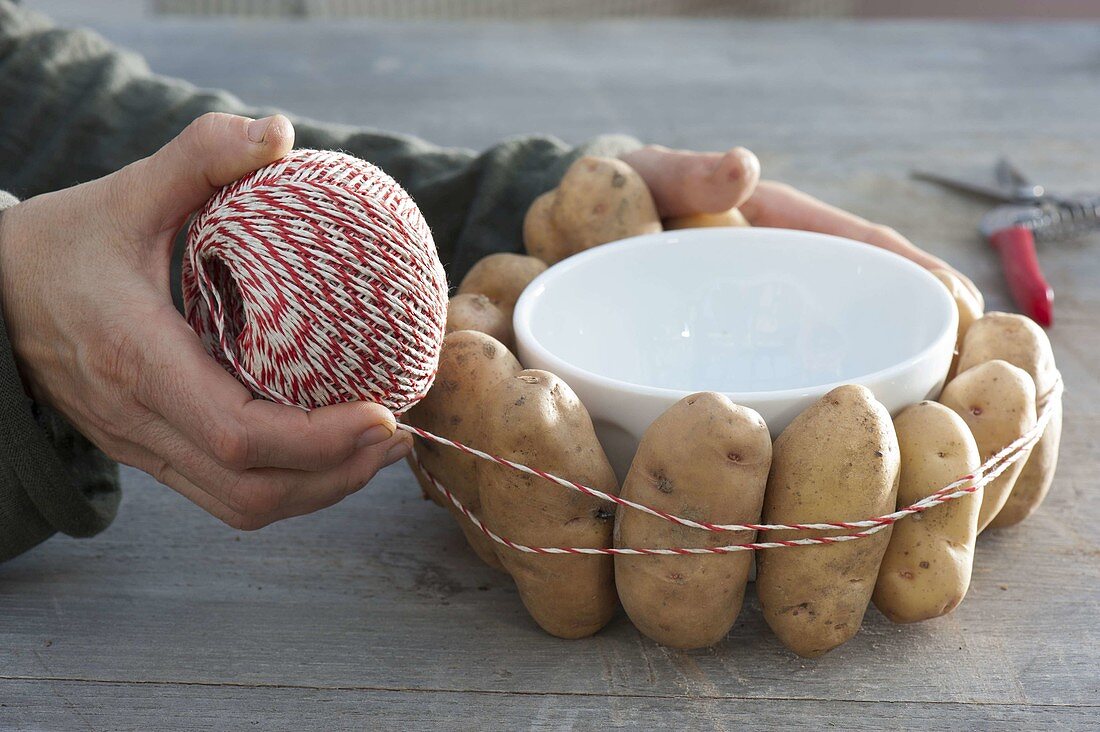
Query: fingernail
[
  {"x": 376, "y": 434},
  {"x": 398, "y": 452},
  {"x": 257, "y": 128}
]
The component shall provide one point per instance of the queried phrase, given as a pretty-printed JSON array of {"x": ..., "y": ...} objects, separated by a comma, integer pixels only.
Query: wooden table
[{"x": 374, "y": 613}]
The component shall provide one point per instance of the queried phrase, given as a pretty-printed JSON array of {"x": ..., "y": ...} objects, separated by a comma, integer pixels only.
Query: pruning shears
[{"x": 1028, "y": 212}]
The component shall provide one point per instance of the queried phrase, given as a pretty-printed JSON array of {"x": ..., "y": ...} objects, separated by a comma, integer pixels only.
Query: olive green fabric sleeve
[
  {"x": 73, "y": 108},
  {"x": 51, "y": 478}
]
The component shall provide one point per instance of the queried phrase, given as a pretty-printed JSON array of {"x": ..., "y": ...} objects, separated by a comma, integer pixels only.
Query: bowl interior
[{"x": 733, "y": 310}]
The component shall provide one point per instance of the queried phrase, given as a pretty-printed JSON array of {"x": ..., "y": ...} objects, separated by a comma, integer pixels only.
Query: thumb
[{"x": 159, "y": 192}]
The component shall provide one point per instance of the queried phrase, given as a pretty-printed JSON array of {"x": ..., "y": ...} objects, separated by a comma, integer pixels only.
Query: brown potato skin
[
  {"x": 502, "y": 278},
  {"x": 470, "y": 364},
  {"x": 925, "y": 572},
  {"x": 837, "y": 461},
  {"x": 733, "y": 217},
  {"x": 1022, "y": 343},
  {"x": 426, "y": 489},
  {"x": 541, "y": 238},
  {"x": 969, "y": 308},
  {"x": 706, "y": 459},
  {"x": 1036, "y": 478},
  {"x": 477, "y": 312},
  {"x": 997, "y": 402},
  {"x": 598, "y": 200},
  {"x": 535, "y": 419}
]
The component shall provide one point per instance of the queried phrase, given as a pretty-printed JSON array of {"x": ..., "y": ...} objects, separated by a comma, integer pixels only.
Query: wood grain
[
  {"x": 374, "y": 613},
  {"x": 273, "y": 708}
]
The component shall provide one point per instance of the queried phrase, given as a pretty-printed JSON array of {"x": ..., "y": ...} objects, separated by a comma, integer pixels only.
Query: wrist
[
  {"x": 7, "y": 202},
  {"x": 8, "y": 287}
]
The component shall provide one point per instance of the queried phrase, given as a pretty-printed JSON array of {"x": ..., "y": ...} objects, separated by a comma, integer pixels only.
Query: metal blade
[
  {"x": 1008, "y": 175},
  {"x": 976, "y": 189},
  {"x": 1010, "y": 178}
]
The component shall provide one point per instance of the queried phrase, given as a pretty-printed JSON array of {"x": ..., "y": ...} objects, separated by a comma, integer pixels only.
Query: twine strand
[{"x": 966, "y": 485}]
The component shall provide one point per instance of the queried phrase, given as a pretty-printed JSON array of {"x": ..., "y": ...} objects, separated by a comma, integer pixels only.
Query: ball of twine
[{"x": 315, "y": 280}]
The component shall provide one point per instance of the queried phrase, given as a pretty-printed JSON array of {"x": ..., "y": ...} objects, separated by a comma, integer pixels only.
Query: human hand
[
  {"x": 84, "y": 286},
  {"x": 685, "y": 182}
]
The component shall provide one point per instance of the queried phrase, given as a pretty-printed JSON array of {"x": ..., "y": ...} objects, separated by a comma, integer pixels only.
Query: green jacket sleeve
[
  {"x": 74, "y": 108},
  {"x": 77, "y": 108}
]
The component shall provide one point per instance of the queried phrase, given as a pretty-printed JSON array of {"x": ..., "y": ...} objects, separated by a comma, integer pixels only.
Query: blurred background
[
  {"x": 841, "y": 98},
  {"x": 574, "y": 9}
]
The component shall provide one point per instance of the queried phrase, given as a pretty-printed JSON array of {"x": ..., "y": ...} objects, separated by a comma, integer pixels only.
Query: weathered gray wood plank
[
  {"x": 375, "y": 611},
  {"x": 77, "y": 705}
]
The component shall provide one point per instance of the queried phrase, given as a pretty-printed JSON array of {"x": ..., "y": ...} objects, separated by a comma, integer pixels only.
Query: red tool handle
[{"x": 1025, "y": 280}]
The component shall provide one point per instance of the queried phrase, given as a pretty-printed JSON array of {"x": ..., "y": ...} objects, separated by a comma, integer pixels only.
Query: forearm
[{"x": 76, "y": 108}]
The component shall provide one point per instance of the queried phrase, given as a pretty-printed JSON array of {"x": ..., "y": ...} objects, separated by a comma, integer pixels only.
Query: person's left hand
[{"x": 685, "y": 182}]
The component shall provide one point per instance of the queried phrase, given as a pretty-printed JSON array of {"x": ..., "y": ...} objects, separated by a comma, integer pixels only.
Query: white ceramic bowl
[{"x": 773, "y": 318}]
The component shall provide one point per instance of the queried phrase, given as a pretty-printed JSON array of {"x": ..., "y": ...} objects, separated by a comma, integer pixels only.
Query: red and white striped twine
[
  {"x": 315, "y": 280},
  {"x": 964, "y": 486}
]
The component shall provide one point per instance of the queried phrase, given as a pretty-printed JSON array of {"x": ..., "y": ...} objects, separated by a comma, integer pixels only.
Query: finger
[
  {"x": 685, "y": 183},
  {"x": 232, "y": 518},
  {"x": 157, "y": 193},
  {"x": 163, "y": 472},
  {"x": 262, "y": 493},
  {"x": 177, "y": 482},
  {"x": 305, "y": 492},
  {"x": 779, "y": 205},
  {"x": 186, "y": 387},
  {"x": 394, "y": 450},
  {"x": 738, "y": 171}
]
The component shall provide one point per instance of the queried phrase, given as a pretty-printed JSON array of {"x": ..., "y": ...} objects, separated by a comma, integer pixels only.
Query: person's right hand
[
  {"x": 686, "y": 182},
  {"x": 85, "y": 293}
]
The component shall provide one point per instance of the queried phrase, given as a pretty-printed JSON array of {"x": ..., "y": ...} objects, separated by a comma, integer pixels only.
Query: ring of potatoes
[{"x": 711, "y": 460}]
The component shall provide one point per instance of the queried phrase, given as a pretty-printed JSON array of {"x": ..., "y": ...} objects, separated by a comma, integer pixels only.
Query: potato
[
  {"x": 1022, "y": 343},
  {"x": 541, "y": 237},
  {"x": 598, "y": 200},
  {"x": 997, "y": 402},
  {"x": 974, "y": 291},
  {"x": 970, "y": 310},
  {"x": 477, "y": 312},
  {"x": 707, "y": 459},
  {"x": 535, "y": 419},
  {"x": 925, "y": 572},
  {"x": 502, "y": 278},
  {"x": 1036, "y": 478},
  {"x": 470, "y": 364},
  {"x": 733, "y": 217},
  {"x": 837, "y": 461},
  {"x": 426, "y": 488}
]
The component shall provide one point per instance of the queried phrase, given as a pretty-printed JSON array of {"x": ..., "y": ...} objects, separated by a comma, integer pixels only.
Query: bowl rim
[{"x": 521, "y": 318}]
